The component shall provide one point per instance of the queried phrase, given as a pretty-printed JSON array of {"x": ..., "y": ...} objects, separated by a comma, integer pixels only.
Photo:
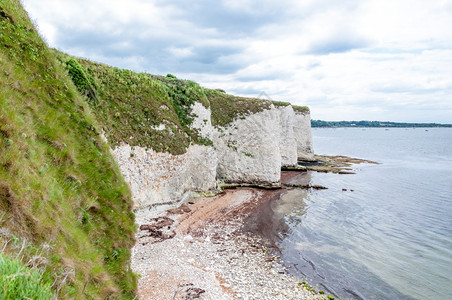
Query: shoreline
[
  {"x": 206, "y": 249},
  {"x": 223, "y": 246}
]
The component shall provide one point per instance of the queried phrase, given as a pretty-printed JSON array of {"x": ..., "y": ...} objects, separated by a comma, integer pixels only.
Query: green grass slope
[{"x": 60, "y": 188}]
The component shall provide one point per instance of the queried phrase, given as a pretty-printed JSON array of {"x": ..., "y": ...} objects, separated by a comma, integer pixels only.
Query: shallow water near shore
[{"x": 382, "y": 233}]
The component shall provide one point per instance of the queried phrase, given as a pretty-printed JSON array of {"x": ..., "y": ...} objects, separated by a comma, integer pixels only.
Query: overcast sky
[{"x": 387, "y": 60}]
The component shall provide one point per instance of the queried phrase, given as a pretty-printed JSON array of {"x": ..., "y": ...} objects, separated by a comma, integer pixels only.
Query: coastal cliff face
[
  {"x": 303, "y": 135},
  {"x": 288, "y": 142},
  {"x": 251, "y": 149},
  {"x": 160, "y": 178}
]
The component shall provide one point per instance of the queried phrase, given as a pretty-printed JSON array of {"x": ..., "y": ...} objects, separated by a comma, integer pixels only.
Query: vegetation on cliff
[
  {"x": 153, "y": 111},
  {"x": 301, "y": 109},
  {"x": 226, "y": 108},
  {"x": 60, "y": 188},
  {"x": 19, "y": 282},
  {"x": 138, "y": 109}
]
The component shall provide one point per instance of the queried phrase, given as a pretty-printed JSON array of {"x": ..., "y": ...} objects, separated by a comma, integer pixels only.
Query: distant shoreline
[{"x": 374, "y": 124}]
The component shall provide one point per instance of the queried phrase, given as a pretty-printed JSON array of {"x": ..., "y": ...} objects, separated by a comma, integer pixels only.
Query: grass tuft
[
  {"x": 83, "y": 81},
  {"x": 20, "y": 282}
]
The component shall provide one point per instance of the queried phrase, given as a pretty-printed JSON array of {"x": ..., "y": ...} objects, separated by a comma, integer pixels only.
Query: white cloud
[
  {"x": 372, "y": 59},
  {"x": 181, "y": 52}
]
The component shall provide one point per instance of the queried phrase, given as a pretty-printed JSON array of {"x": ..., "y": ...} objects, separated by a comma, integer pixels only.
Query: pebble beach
[{"x": 200, "y": 251}]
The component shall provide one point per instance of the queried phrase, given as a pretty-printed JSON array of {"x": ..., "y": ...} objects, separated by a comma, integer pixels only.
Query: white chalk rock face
[
  {"x": 287, "y": 142},
  {"x": 157, "y": 178},
  {"x": 202, "y": 120},
  {"x": 303, "y": 135},
  {"x": 248, "y": 149}
]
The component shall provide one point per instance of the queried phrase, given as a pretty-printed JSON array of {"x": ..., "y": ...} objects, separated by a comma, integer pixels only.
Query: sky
[{"x": 386, "y": 60}]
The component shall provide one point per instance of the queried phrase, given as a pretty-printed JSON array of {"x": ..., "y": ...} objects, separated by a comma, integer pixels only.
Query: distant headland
[{"x": 320, "y": 123}]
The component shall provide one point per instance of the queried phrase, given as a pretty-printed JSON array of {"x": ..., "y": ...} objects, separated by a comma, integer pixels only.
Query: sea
[{"x": 382, "y": 233}]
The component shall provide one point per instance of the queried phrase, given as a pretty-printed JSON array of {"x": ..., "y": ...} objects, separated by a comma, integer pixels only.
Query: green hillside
[{"x": 64, "y": 207}]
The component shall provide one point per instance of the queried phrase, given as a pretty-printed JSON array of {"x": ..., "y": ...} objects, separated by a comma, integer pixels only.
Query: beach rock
[
  {"x": 159, "y": 229},
  {"x": 157, "y": 223},
  {"x": 179, "y": 210},
  {"x": 194, "y": 293},
  {"x": 319, "y": 187}
]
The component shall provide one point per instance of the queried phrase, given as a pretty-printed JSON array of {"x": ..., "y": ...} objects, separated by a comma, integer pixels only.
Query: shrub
[{"x": 82, "y": 80}]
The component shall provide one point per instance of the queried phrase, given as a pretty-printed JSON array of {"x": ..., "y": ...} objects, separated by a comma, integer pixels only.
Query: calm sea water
[{"x": 391, "y": 238}]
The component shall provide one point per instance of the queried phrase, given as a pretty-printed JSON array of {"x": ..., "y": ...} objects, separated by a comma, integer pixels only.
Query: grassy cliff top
[
  {"x": 301, "y": 109},
  {"x": 138, "y": 109},
  {"x": 62, "y": 196},
  {"x": 227, "y": 108},
  {"x": 152, "y": 111}
]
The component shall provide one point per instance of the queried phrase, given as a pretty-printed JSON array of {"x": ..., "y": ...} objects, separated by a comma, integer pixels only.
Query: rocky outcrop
[
  {"x": 248, "y": 148},
  {"x": 162, "y": 178},
  {"x": 251, "y": 149},
  {"x": 303, "y": 135},
  {"x": 202, "y": 120},
  {"x": 287, "y": 141},
  {"x": 159, "y": 178}
]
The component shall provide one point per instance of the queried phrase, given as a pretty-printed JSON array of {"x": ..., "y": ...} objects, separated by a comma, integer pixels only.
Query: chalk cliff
[
  {"x": 251, "y": 149},
  {"x": 172, "y": 137},
  {"x": 303, "y": 135},
  {"x": 288, "y": 142},
  {"x": 161, "y": 178},
  {"x": 248, "y": 149}
]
